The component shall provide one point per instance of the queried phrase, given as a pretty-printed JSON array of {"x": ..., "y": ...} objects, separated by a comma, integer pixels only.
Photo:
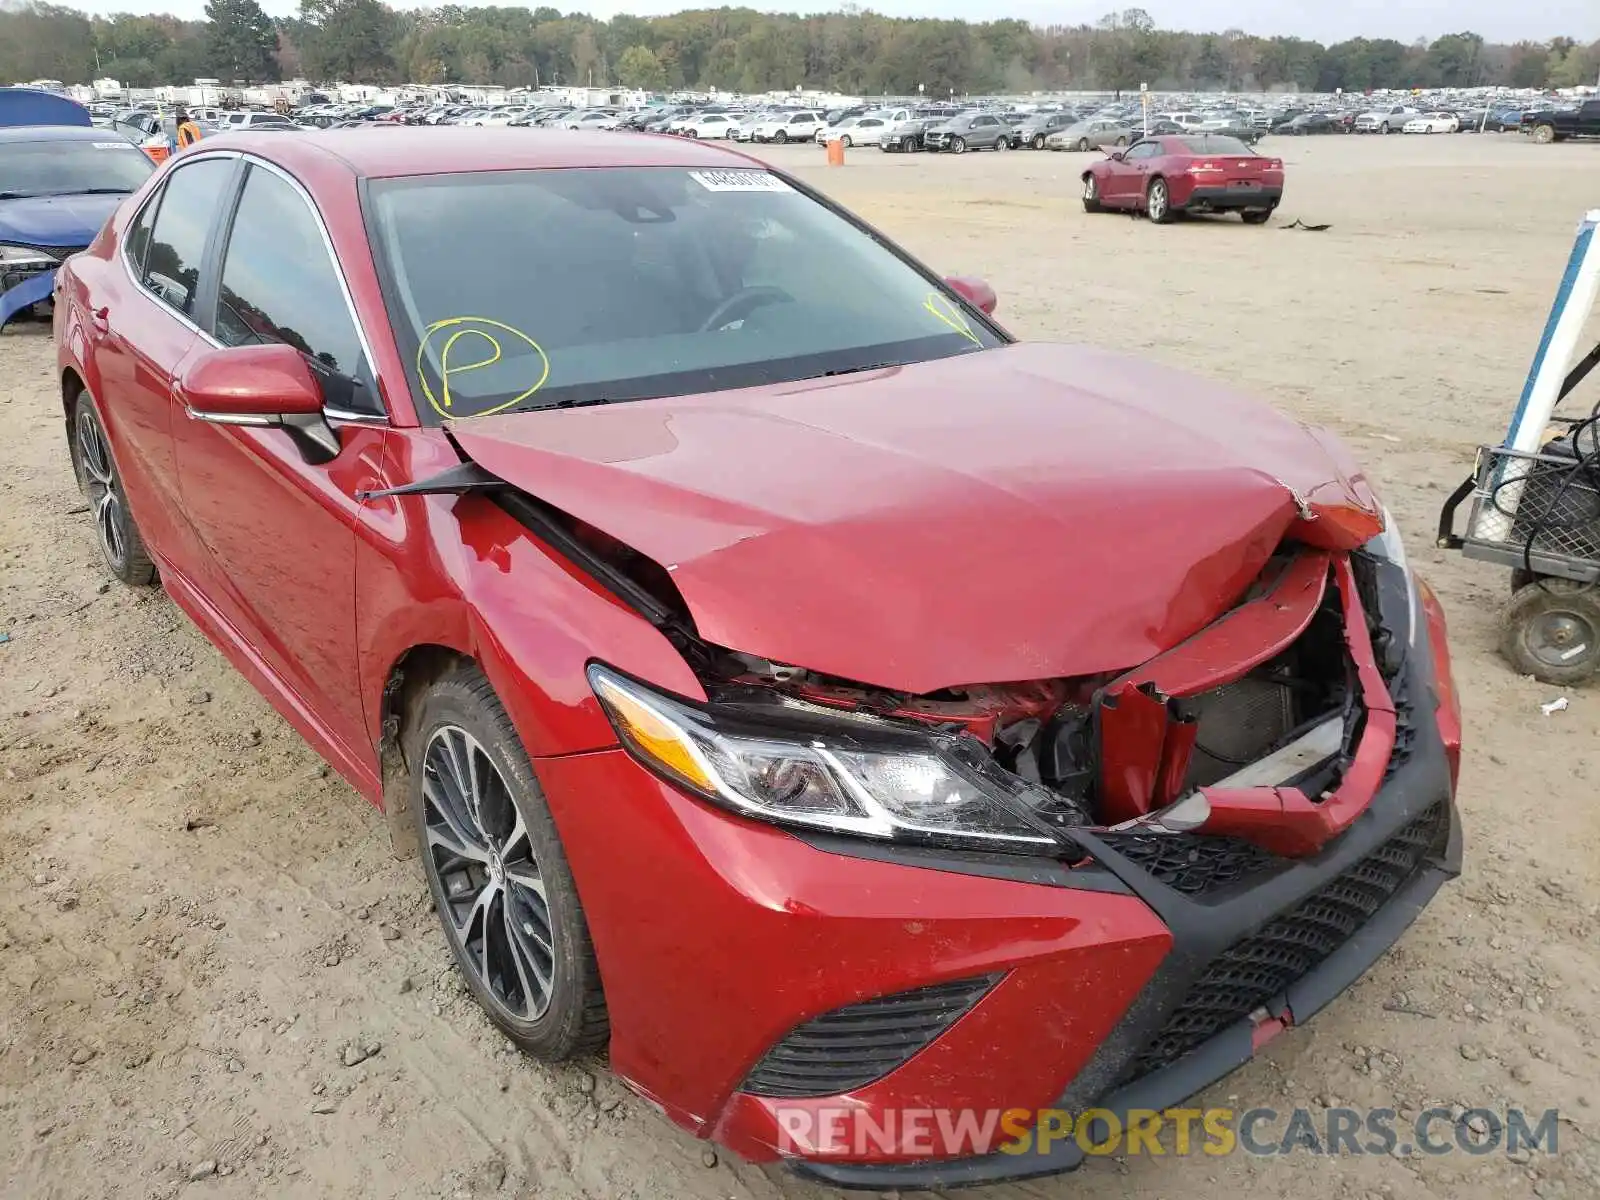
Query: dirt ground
[{"x": 215, "y": 980}]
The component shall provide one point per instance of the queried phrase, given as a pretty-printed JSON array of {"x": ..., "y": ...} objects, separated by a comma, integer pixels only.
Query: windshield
[
  {"x": 67, "y": 168},
  {"x": 536, "y": 289}
]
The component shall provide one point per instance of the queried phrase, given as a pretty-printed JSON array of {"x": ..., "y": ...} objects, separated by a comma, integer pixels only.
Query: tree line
[{"x": 851, "y": 51}]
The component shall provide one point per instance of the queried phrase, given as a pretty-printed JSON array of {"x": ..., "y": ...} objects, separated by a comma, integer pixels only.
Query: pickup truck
[{"x": 1555, "y": 125}]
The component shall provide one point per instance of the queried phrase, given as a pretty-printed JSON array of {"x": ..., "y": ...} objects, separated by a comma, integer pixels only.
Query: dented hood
[{"x": 1023, "y": 513}]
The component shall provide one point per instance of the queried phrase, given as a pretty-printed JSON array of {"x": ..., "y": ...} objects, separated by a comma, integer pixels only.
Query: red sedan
[
  {"x": 785, "y": 679},
  {"x": 1189, "y": 173}
]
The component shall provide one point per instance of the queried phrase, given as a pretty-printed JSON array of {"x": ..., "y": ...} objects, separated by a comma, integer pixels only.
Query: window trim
[
  {"x": 157, "y": 197},
  {"x": 211, "y": 266},
  {"x": 224, "y": 240}
]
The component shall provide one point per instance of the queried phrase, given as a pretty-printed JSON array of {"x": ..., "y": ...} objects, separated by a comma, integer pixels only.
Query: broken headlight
[
  {"x": 866, "y": 779},
  {"x": 1397, "y": 591}
]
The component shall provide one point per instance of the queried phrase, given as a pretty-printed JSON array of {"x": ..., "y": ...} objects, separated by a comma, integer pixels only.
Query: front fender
[{"x": 461, "y": 572}]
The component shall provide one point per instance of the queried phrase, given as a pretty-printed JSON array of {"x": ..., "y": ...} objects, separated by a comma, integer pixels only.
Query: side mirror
[
  {"x": 1118, "y": 156},
  {"x": 267, "y": 386},
  {"x": 975, "y": 292}
]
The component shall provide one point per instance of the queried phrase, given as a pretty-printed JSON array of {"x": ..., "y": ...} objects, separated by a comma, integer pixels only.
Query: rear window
[{"x": 1216, "y": 145}]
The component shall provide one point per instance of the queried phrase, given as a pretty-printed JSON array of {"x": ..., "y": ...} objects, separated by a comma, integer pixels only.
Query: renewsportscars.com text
[{"x": 1261, "y": 1132}]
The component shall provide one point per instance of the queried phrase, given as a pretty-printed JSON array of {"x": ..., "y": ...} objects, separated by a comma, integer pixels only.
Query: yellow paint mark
[
  {"x": 944, "y": 310},
  {"x": 443, "y": 402}
]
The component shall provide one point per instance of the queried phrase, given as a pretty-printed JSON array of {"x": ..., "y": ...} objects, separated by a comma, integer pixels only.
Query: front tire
[
  {"x": 1091, "y": 195},
  {"x": 958, "y": 145},
  {"x": 1158, "y": 202},
  {"x": 498, "y": 874},
  {"x": 846, "y": 142},
  {"x": 781, "y": 137},
  {"x": 1083, "y": 145},
  {"x": 1543, "y": 135},
  {"x": 121, "y": 547},
  {"x": 1038, "y": 142}
]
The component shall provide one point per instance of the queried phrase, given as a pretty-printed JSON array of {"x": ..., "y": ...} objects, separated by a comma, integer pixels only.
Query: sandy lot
[{"x": 200, "y": 926}]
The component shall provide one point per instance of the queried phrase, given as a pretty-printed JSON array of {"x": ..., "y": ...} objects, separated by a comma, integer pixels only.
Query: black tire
[
  {"x": 1544, "y": 135},
  {"x": 1083, "y": 145},
  {"x": 781, "y": 137},
  {"x": 1122, "y": 141},
  {"x": 1158, "y": 202},
  {"x": 1038, "y": 141},
  {"x": 1550, "y": 629},
  {"x": 1091, "y": 195},
  {"x": 958, "y": 145},
  {"x": 1002, "y": 143},
  {"x": 1256, "y": 216},
  {"x": 573, "y": 1021},
  {"x": 122, "y": 548},
  {"x": 846, "y": 142}
]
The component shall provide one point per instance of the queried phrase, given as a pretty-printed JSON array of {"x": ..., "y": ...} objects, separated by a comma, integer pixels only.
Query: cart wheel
[{"x": 1550, "y": 629}]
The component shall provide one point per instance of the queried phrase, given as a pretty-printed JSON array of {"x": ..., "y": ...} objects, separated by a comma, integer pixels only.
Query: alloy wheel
[
  {"x": 479, "y": 849},
  {"x": 1091, "y": 189},
  {"x": 1157, "y": 202},
  {"x": 100, "y": 484}
]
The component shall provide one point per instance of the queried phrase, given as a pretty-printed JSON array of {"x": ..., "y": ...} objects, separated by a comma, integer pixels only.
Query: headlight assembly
[
  {"x": 24, "y": 256},
  {"x": 855, "y": 777}
]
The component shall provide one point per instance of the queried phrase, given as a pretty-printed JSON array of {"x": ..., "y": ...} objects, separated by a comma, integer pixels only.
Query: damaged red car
[{"x": 787, "y": 681}]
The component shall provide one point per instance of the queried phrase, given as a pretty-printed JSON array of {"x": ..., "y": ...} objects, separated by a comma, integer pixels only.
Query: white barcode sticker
[{"x": 739, "y": 181}]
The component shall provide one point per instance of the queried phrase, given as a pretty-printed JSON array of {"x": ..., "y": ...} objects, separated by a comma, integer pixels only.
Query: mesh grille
[
  {"x": 1545, "y": 497},
  {"x": 1195, "y": 866},
  {"x": 1258, "y": 967},
  {"x": 1238, "y": 724},
  {"x": 851, "y": 1047}
]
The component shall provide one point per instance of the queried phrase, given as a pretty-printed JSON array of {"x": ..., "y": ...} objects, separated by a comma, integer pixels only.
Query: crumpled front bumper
[{"x": 31, "y": 289}]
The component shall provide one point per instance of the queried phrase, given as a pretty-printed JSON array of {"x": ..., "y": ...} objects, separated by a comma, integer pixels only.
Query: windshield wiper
[
  {"x": 882, "y": 366},
  {"x": 575, "y": 402},
  {"x": 16, "y": 195},
  {"x": 105, "y": 191}
]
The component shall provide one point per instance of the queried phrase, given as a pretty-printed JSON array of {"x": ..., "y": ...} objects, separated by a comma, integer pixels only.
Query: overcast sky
[{"x": 1404, "y": 19}]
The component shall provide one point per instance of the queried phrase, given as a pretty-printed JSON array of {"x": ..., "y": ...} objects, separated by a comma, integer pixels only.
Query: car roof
[
  {"x": 424, "y": 150},
  {"x": 52, "y": 133}
]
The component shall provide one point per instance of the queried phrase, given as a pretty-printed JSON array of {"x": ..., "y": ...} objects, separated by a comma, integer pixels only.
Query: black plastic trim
[{"x": 1048, "y": 872}]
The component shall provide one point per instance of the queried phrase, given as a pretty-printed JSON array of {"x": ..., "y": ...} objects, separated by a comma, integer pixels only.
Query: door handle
[{"x": 99, "y": 320}]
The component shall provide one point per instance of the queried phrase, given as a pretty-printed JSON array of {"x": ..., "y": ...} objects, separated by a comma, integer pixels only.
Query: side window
[
  {"x": 137, "y": 240},
  {"x": 177, "y": 241},
  {"x": 280, "y": 285},
  {"x": 1145, "y": 150}
]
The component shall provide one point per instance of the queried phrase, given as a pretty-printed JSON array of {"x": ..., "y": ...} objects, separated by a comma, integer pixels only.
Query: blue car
[{"x": 58, "y": 186}]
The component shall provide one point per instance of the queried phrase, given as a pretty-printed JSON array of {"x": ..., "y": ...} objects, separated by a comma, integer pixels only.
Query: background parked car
[
  {"x": 788, "y": 127},
  {"x": 1434, "y": 122},
  {"x": 1307, "y": 124},
  {"x": 1091, "y": 135},
  {"x": 859, "y": 131},
  {"x": 906, "y": 137},
  {"x": 1033, "y": 130},
  {"x": 1385, "y": 120},
  {"x": 971, "y": 131},
  {"x": 710, "y": 125}
]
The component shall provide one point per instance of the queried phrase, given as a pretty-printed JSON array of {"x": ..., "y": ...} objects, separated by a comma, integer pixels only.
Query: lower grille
[
  {"x": 1287, "y": 948},
  {"x": 1192, "y": 865},
  {"x": 851, "y": 1047},
  {"x": 1239, "y": 723}
]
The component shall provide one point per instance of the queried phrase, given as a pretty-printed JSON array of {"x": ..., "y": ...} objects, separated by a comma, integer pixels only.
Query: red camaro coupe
[
  {"x": 1188, "y": 173},
  {"x": 786, "y": 680}
]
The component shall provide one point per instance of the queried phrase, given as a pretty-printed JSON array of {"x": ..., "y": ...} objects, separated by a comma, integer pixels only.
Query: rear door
[{"x": 142, "y": 329}]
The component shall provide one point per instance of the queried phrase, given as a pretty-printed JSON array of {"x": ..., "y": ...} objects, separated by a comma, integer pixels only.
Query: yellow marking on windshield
[
  {"x": 943, "y": 309},
  {"x": 443, "y": 402}
]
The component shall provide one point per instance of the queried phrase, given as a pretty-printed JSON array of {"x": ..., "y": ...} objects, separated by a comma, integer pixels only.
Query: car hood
[
  {"x": 55, "y": 220},
  {"x": 1028, "y": 512}
]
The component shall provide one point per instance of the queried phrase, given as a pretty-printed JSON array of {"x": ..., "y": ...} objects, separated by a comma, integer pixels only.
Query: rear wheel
[
  {"x": 121, "y": 547},
  {"x": 1003, "y": 144},
  {"x": 1256, "y": 216},
  {"x": 498, "y": 874},
  {"x": 1091, "y": 195},
  {"x": 1158, "y": 202},
  {"x": 1550, "y": 629},
  {"x": 1544, "y": 134},
  {"x": 1122, "y": 141}
]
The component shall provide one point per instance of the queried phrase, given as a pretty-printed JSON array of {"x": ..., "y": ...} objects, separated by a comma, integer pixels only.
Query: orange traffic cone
[{"x": 836, "y": 153}]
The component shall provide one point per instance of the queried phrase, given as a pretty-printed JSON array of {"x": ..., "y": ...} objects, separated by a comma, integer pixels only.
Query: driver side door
[
  {"x": 279, "y": 531},
  {"x": 1126, "y": 180}
]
